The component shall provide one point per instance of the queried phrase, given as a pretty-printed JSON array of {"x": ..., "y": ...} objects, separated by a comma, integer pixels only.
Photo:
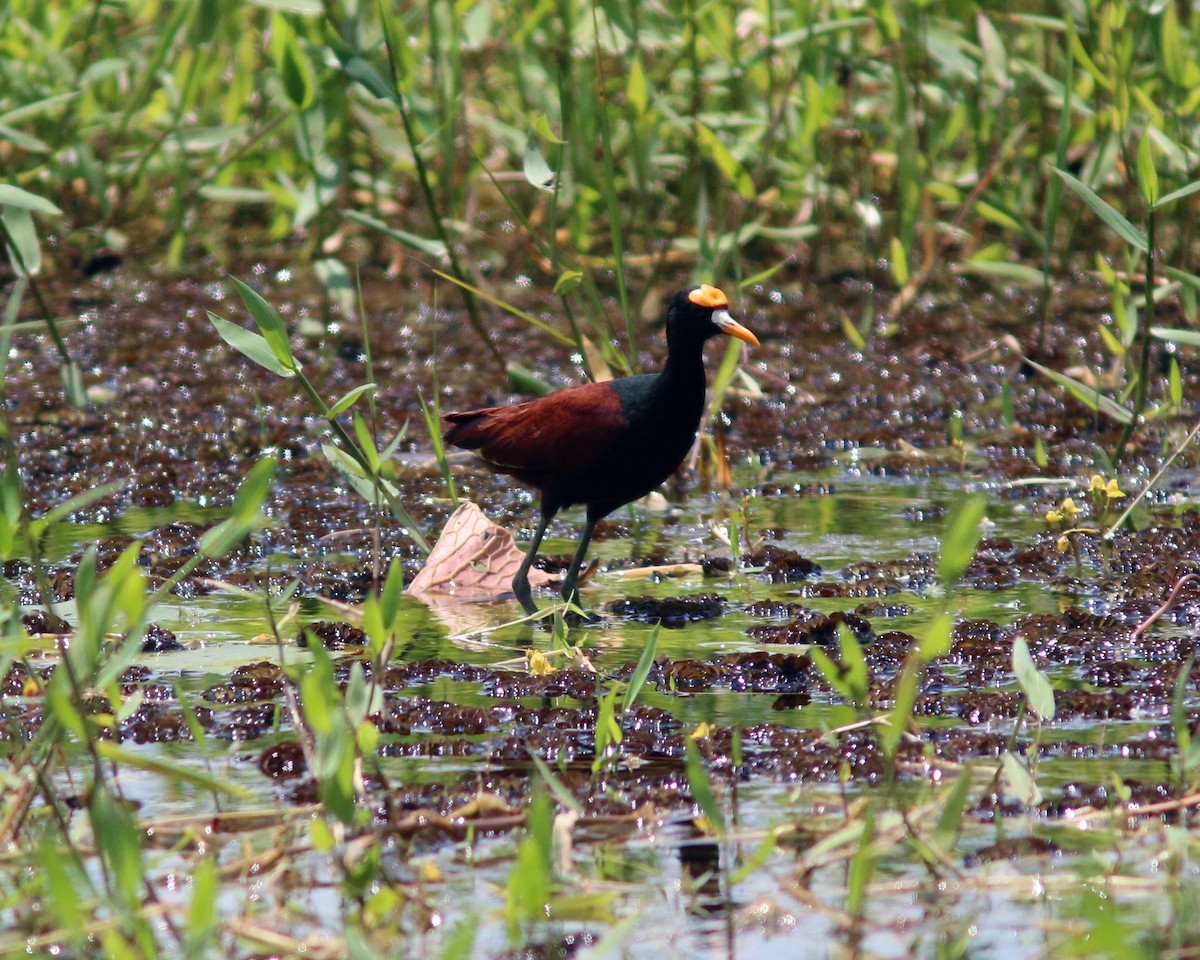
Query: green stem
[{"x": 1145, "y": 321}]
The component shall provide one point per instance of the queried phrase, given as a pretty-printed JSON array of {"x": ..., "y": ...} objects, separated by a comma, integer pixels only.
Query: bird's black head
[{"x": 701, "y": 312}]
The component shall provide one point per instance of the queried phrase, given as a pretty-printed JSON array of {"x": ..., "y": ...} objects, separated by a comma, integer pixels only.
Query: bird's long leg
[
  {"x": 568, "y": 585},
  {"x": 520, "y": 582}
]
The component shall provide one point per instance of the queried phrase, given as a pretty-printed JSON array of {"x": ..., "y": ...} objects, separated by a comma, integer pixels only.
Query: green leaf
[
  {"x": 297, "y": 73},
  {"x": 637, "y": 91},
  {"x": 541, "y": 126},
  {"x": 1019, "y": 273},
  {"x": 1092, "y": 399},
  {"x": 11, "y": 196},
  {"x": 725, "y": 161},
  {"x": 208, "y": 18},
  {"x": 349, "y": 468},
  {"x": 906, "y": 696},
  {"x": 395, "y": 35},
  {"x": 1146, "y": 174},
  {"x": 938, "y": 637},
  {"x": 24, "y": 250},
  {"x": 1019, "y": 780},
  {"x": 757, "y": 859},
  {"x": 959, "y": 537},
  {"x": 459, "y": 943},
  {"x": 950, "y": 822},
  {"x": 1179, "y": 716},
  {"x": 899, "y": 261},
  {"x": 1171, "y": 46},
  {"x": 431, "y": 248},
  {"x": 1110, "y": 215},
  {"x": 172, "y": 770},
  {"x": 219, "y": 194},
  {"x": 701, "y": 787},
  {"x": 995, "y": 59},
  {"x": 862, "y": 865},
  {"x": 338, "y": 283},
  {"x": 562, "y": 793},
  {"x": 370, "y": 78},
  {"x": 269, "y": 324},
  {"x": 349, "y": 400},
  {"x": 850, "y": 676},
  {"x": 537, "y": 170},
  {"x": 1187, "y": 338},
  {"x": 640, "y": 672},
  {"x": 567, "y": 282},
  {"x": 82, "y": 500},
  {"x": 1178, "y": 194},
  {"x": 249, "y": 345},
  {"x": 1035, "y": 684}
]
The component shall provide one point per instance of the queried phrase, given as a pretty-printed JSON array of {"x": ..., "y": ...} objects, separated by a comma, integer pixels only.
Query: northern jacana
[{"x": 603, "y": 444}]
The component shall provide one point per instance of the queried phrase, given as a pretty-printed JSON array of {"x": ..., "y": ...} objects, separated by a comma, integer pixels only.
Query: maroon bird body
[{"x": 603, "y": 444}]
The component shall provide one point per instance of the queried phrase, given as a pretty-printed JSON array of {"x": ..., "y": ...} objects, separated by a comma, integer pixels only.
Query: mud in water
[{"x": 179, "y": 419}]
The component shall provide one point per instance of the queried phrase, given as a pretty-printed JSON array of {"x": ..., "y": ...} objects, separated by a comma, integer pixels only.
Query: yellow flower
[
  {"x": 703, "y": 731},
  {"x": 1063, "y": 544},
  {"x": 539, "y": 663},
  {"x": 1097, "y": 484},
  {"x": 1112, "y": 491},
  {"x": 1068, "y": 508},
  {"x": 1053, "y": 516}
]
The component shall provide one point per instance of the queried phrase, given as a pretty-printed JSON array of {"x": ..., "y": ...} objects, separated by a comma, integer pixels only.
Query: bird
[{"x": 605, "y": 444}]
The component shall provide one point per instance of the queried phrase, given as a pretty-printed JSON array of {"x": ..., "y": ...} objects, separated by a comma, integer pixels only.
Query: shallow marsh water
[{"x": 861, "y": 481}]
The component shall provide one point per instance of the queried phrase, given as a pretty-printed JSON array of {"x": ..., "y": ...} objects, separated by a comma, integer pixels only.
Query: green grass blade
[{"x": 1109, "y": 214}]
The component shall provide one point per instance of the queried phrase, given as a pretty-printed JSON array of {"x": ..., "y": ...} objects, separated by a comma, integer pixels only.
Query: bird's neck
[{"x": 684, "y": 366}]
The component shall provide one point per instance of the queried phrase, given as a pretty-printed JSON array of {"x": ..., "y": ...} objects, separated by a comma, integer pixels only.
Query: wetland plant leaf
[
  {"x": 1188, "y": 338},
  {"x": 757, "y": 859},
  {"x": 336, "y": 279},
  {"x": 170, "y": 769},
  {"x": 1106, "y": 212},
  {"x": 949, "y": 824},
  {"x": 701, "y": 787},
  {"x": 269, "y": 324},
  {"x": 11, "y": 196},
  {"x": 246, "y": 516},
  {"x": 1188, "y": 747},
  {"x": 372, "y": 490},
  {"x": 248, "y": 344},
  {"x": 1019, "y": 780},
  {"x": 1178, "y": 194},
  {"x": 862, "y": 865},
  {"x": 515, "y": 311},
  {"x": 349, "y": 400},
  {"x": 567, "y": 282},
  {"x": 850, "y": 677},
  {"x": 24, "y": 251},
  {"x": 537, "y": 171},
  {"x": 431, "y": 248},
  {"x": 460, "y": 943},
  {"x": 938, "y": 637},
  {"x": 641, "y": 671},
  {"x": 1019, "y": 273},
  {"x": 1034, "y": 684},
  {"x": 1092, "y": 399},
  {"x": 906, "y": 695},
  {"x": 525, "y": 381},
  {"x": 297, "y": 72},
  {"x": 561, "y": 793},
  {"x": 725, "y": 161},
  {"x": 1146, "y": 174},
  {"x": 959, "y": 537}
]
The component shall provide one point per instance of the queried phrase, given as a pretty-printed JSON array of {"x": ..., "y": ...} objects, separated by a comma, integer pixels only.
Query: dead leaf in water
[{"x": 474, "y": 559}]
